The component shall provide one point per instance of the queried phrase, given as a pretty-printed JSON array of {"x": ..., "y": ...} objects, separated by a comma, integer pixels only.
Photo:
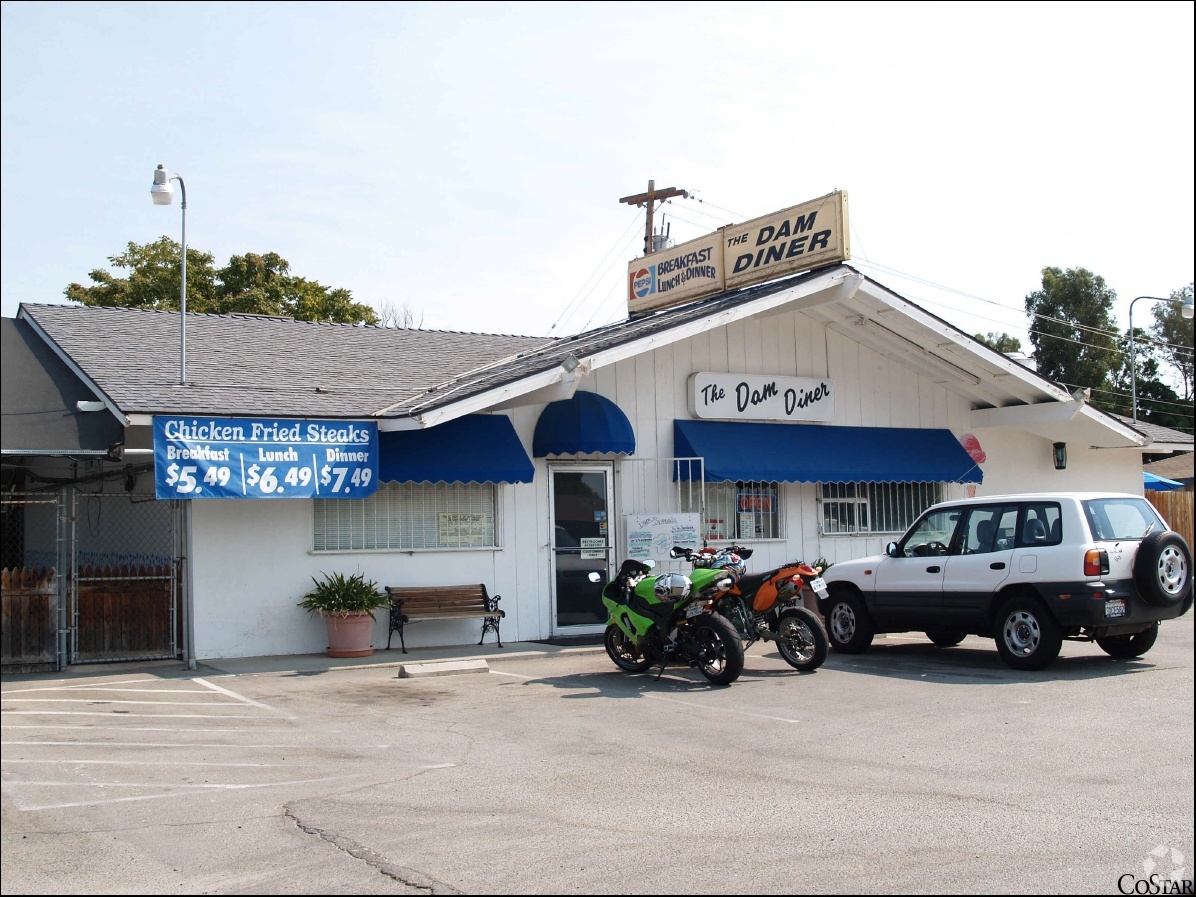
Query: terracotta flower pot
[{"x": 350, "y": 635}]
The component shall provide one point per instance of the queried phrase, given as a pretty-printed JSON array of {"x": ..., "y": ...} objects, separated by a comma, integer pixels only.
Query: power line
[{"x": 605, "y": 262}]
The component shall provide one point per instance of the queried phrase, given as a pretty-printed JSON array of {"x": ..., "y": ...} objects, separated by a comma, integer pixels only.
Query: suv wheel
[
  {"x": 848, "y": 624},
  {"x": 1130, "y": 645},
  {"x": 1163, "y": 569},
  {"x": 1028, "y": 638}
]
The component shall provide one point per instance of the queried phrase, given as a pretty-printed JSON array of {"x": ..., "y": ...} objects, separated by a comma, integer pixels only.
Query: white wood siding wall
[{"x": 253, "y": 560}]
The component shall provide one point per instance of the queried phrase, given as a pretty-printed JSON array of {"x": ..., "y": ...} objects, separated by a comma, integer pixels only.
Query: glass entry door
[{"x": 582, "y": 529}]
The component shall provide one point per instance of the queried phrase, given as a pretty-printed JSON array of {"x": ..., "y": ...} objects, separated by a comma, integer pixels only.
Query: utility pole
[{"x": 650, "y": 199}]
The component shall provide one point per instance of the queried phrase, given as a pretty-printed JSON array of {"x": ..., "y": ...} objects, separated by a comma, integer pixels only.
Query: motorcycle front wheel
[
  {"x": 718, "y": 649},
  {"x": 623, "y": 651},
  {"x": 801, "y": 638}
]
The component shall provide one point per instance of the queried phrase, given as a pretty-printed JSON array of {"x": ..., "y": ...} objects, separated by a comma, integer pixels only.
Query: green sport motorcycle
[{"x": 655, "y": 620}]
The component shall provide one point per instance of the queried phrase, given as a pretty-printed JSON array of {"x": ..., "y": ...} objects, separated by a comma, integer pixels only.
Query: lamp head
[
  {"x": 1059, "y": 455},
  {"x": 161, "y": 191},
  {"x": 1186, "y": 308}
]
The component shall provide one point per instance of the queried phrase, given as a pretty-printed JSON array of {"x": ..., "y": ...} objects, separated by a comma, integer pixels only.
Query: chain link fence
[{"x": 89, "y": 577}]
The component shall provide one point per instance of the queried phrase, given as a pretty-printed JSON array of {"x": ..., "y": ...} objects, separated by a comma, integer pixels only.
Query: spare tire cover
[{"x": 1163, "y": 569}]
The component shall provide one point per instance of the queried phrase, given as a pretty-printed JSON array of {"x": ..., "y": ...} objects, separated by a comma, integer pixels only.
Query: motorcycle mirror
[
  {"x": 744, "y": 553},
  {"x": 594, "y": 576}
]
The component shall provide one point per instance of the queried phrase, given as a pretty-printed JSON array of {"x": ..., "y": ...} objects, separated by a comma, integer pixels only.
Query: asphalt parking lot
[{"x": 909, "y": 769}]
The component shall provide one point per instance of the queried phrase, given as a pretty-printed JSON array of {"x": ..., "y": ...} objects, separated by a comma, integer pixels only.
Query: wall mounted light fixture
[{"x": 1059, "y": 454}]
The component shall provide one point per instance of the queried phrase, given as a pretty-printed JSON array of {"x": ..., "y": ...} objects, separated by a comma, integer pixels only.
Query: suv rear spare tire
[{"x": 1163, "y": 569}]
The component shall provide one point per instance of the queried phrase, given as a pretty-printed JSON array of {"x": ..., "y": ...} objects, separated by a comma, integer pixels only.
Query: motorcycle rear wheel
[
  {"x": 802, "y": 639},
  {"x": 623, "y": 651},
  {"x": 719, "y": 649}
]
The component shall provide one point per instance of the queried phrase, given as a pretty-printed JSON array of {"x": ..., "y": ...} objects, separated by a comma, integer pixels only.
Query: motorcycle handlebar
[{"x": 680, "y": 551}]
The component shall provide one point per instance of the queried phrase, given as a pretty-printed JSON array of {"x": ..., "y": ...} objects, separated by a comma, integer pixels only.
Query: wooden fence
[
  {"x": 29, "y": 620},
  {"x": 124, "y": 613},
  {"x": 1176, "y": 508}
]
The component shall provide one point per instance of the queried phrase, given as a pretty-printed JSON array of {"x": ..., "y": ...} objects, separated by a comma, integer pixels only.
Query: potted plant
[{"x": 347, "y": 604}]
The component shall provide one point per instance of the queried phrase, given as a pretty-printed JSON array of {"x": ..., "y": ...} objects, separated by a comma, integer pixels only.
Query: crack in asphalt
[{"x": 409, "y": 877}]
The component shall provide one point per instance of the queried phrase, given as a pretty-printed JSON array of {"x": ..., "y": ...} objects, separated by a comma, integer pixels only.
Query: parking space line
[
  {"x": 173, "y": 729},
  {"x": 140, "y": 744},
  {"x": 175, "y": 791},
  {"x": 113, "y": 701},
  {"x": 126, "y": 715},
  {"x": 139, "y": 763},
  {"x": 232, "y": 694}
]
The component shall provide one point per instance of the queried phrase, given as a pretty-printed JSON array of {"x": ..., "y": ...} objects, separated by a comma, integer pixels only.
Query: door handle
[
  {"x": 933, "y": 569},
  {"x": 999, "y": 565}
]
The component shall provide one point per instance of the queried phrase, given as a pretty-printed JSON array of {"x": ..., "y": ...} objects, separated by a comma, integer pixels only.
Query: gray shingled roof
[
  {"x": 240, "y": 365},
  {"x": 1177, "y": 467},
  {"x": 245, "y": 365},
  {"x": 1156, "y": 432}
]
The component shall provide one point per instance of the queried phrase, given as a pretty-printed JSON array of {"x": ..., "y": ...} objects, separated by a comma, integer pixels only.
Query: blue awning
[
  {"x": 1156, "y": 483},
  {"x": 477, "y": 448},
  {"x": 803, "y": 453},
  {"x": 587, "y": 422}
]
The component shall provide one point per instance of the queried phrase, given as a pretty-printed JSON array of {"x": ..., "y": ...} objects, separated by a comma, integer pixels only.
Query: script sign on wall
[
  {"x": 715, "y": 396},
  {"x": 243, "y": 457}
]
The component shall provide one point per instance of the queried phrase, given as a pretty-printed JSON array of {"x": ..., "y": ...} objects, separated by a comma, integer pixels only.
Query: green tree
[
  {"x": 1172, "y": 334},
  {"x": 248, "y": 284},
  {"x": 1072, "y": 331},
  {"x": 153, "y": 281},
  {"x": 1158, "y": 402},
  {"x": 1001, "y": 342}
]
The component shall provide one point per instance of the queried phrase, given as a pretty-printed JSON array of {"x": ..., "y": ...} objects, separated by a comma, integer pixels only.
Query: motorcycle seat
[{"x": 751, "y": 582}]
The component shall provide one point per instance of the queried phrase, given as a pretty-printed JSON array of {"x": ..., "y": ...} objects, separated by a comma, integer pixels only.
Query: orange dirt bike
[{"x": 768, "y": 605}]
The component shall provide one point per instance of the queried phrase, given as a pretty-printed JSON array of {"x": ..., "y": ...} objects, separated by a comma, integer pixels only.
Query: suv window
[
  {"x": 1115, "y": 519},
  {"x": 989, "y": 529},
  {"x": 1042, "y": 524},
  {"x": 932, "y": 535}
]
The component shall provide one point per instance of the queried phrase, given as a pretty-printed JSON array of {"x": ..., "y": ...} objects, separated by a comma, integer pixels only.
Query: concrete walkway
[{"x": 416, "y": 662}]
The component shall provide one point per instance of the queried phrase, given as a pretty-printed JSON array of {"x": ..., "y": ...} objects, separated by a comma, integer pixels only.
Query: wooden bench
[{"x": 411, "y": 603}]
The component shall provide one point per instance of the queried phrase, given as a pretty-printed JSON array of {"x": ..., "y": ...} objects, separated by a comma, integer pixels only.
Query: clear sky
[{"x": 466, "y": 160}]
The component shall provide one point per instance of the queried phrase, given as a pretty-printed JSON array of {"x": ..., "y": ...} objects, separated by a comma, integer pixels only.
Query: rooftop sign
[{"x": 801, "y": 237}]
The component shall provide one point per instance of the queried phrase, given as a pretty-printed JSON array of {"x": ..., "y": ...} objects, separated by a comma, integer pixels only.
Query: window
[
  {"x": 849, "y": 508},
  {"x": 739, "y": 510},
  {"x": 988, "y": 529},
  {"x": 1043, "y": 524},
  {"x": 1113, "y": 519},
  {"x": 933, "y": 536},
  {"x": 406, "y": 516}
]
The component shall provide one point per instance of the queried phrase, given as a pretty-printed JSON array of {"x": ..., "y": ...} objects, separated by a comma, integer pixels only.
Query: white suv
[{"x": 1026, "y": 570}]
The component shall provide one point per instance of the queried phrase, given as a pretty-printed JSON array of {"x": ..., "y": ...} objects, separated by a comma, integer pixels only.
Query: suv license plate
[{"x": 1114, "y": 607}]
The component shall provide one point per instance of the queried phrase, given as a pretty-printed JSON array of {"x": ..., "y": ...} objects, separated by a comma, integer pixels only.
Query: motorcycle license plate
[
  {"x": 694, "y": 609},
  {"x": 1114, "y": 607},
  {"x": 819, "y": 587}
]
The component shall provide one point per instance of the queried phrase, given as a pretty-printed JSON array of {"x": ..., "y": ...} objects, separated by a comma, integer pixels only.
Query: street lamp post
[
  {"x": 1186, "y": 311},
  {"x": 163, "y": 194}
]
